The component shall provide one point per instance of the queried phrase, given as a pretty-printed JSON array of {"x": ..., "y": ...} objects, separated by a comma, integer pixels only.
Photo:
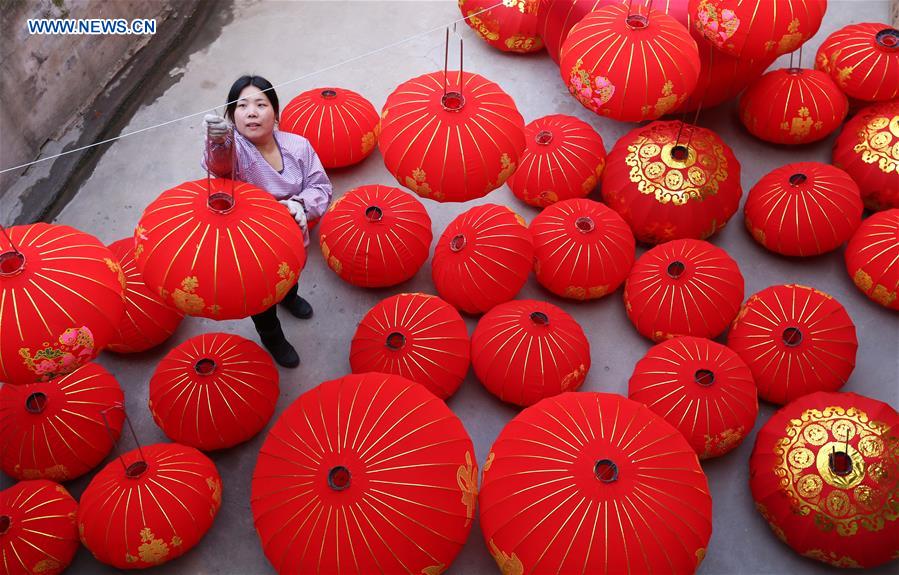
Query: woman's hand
[
  {"x": 298, "y": 211},
  {"x": 216, "y": 128}
]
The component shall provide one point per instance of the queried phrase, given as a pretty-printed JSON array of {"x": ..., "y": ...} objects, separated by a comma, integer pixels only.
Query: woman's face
[{"x": 254, "y": 116}]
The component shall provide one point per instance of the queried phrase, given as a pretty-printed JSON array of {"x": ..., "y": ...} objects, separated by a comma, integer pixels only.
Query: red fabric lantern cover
[
  {"x": 214, "y": 391},
  {"x": 582, "y": 249},
  {"x": 757, "y": 29},
  {"x": 56, "y": 430},
  {"x": 61, "y": 290},
  {"x": 868, "y": 149},
  {"x": 796, "y": 340},
  {"x": 683, "y": 287},
  {"x": 872, "y": 258},
  {"x": 599, "y": 55},
  {"x": 376, "y": 236},
  {"x": 37, "y": 528},
  {"x": 700, "y": 387},
  {"x": 210, "y": 258},
  {"x": 451, "y": 144},
  {"x": 147, "y": 321},
  {"x": 526, "y": 350},
  {"x": 721, "y": 76},
  {"x": 180, "y": 494},
  {"x": 564, "y": 159},
  {"x": 386, "y": 467},
  {"x": 483, "y": 258},
  {"x": 793, "y": 106},
  {"x": 863, "y": 59},
  {"x": 803, "y": 209},
  {"x": 510, "y": 27},
  {"x": 417, "y": 336},
  {"x": 667, "y": 187},
  {"x": 825, "y": 474},
  {"x": 341, "y": 125},
  {"x": 594, "y": 483}
]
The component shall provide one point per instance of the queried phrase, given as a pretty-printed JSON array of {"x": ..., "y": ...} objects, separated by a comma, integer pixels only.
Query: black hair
[{"x": 258, "y": 81}]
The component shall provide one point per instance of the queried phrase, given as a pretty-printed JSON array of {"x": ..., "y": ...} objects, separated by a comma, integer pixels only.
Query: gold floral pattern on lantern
[
  {"x": 717, "y": 28},
  {"x": 434, "y": 569},
  {"x": 789, "y": 41},
  {"x": 666, "y": 102},
  {"x": 878, "y": 142},
  {"x": 722, "y": 442},
  {"x": 331, "y": 260},
  {"x": 832, "y": 558},
  {"x": 418, "y": 183},
  {"x": 575, "y": 378},
  {"x": 369, "y": 139},
  {"x": 591, "y": 91},
  {"x": 467, "y": 479},
  {"x": 879, "y": 292},
  {"x": 508, "y": 564},
  {"x": 46, "y": 566},
  {"x": 151, "y": 550},
  {"x": 74, "y": 348},
  {"x": 185, "y": 299},
  {"x": 585, "y": 293},
  {"x": 288, "y": 278},
  {"x": 522, "y": 43},
  {"x": 801, "y": 124}
]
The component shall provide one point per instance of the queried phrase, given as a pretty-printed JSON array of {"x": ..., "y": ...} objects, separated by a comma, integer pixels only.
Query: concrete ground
[{"x": 285, "y": 40}]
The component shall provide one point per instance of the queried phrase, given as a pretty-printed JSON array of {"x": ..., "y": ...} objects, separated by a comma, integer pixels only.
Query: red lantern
[
  {"x": 601, "y": 51},
  {"x": 868, "y": 149},
  {"x": 526, "y": 350},
  {"x": 37, "y": 528},
  {"x": 793, "y": 106},
  {"x": 451, "y": 136},
  {"x": 872, "y": 258},
  {"x": 61, "y": 293},
  {"x": 218, "y": 249},
  {"x": 594, "y": 483},
  {"x": 863, "y": 59},
  {"x": 214, "y": 391},
  {"x": 803, "y": 209},
  {"x": 341, "y": 125},
  {"x": 386, "y": 467},
  {"x": 58, "y": 429},
  {"x": 757, "y": 29},
  {"x": 721, "y": 77},
  {"x": 483, "y": 258},
  {"x": 825, "y": 474},
  {"x": 417, "y": 336},
  {"x": 796, "y": 340},
  {"x": 376, "y": 236},
  {"x": 669, "y": 180},
  {"x": 150, "y": 506},
  {"x": 582, "y": 249},
  {"x": 564, "y": 159},
  {"x": 147, "y": 321},
  {"x": 510, "y": 26},
  {"x": 700, "y": 387},
  {"x": 683, "y": 287}
]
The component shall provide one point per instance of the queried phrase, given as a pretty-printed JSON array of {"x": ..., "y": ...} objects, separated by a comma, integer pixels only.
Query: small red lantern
[
  {"x": 483, "y": 258},
  {"x": 803, "y": 209},
  {"x": 796, "y": 340},
  {"x": 669, "y": 180},
  {"x": 868, "y": 149},
  {"x": 872, "y": 258},
  {"x": 582, "y": 249},
  {"x": 683, "y": 287},
  {"x": 564, "y": 159},
  {"x": 375, "y": 236},
  {"x": 863, "y": 59},
  {"x": 37, "y": 528},
  {"x": 510, "y": 26},
  {"x": 525, "y": 350}
]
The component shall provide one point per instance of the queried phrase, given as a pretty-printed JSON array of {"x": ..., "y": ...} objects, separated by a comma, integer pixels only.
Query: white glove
[
  {"x": 296, "y": 209},
  {"x": 217, "y": 128}
]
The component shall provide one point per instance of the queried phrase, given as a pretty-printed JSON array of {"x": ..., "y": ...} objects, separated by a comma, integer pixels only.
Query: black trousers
[{"x": 267, "y": 321}]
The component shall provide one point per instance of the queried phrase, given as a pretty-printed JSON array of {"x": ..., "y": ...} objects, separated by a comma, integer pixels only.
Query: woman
[{"x": 283, "y": 164}]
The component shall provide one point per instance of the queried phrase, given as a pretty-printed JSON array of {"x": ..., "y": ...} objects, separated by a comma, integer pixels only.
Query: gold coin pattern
[
  {"x": 815, "y": 434},
  {"x": 809, "y": 486},
  {"x": 801, "y": 457}
]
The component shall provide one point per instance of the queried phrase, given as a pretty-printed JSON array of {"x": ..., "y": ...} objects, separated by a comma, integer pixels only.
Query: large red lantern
[
  {"x": 483, "y": 258},
  {"x": 683, "y": 287},
  {"x": 37, "y": 528},
  {"x": 58, "y": 429},
  {"x": 218, "y": 249},
  {"x": 793, "y": 106},
  {"x": 510, "y": 26},
  {"x": 417, "y": 336},
  {"x": 872, "y": 258},
  {"x": 824, "y": 473},
  {"x": 383, "y": 464},
  {"x": 594, "y": 483},
  {"x": 375, "y": 236},
  {"x": 598, "y": 58},
  {"x": 149, "y": 506},
  {"x": 796, "y": 340},
  {"x": 147, "y": 321},
  {"x": 669, "y": 180},
  {"x": 451, "y": 136},
  {"x": 564, "y": 159},
  {"x": 803, "y": 209},
  {"x": 700, "y": 387},
  {"x": 214, "y": 391},
  {"x": 582, "y": 249},
  {"x": 868, "y": 149},
  {"x": 61, "y": 300},
  {"x": 526, "y": 350},
  {"x": 341, "y": 125},
  {"x": 863, "y": 59}
]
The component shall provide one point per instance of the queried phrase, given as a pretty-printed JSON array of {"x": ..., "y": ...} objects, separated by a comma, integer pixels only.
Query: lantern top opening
[
  {"x": 585, "y": 224},
  {"x": 794, "y": 71},
  {"x": 136, "y": 469},
  {"x": 704, "y": 377},
  {"x": 205, "y": 366},
  {"x": 637, "y": 21},
  {"x": 606, "y": 471},
  {"x": 453, "y": 101},
  {"x": 888, "y": 38},
  {"x": 840, "y": 463},
  {"x": 539, "y": 318},
  {"x": 457, "y": 244},
  {"x": 329, "y": 94},
  {"x": 792, "y": 336},
  {"x": 395, "y": 341},
  {"x": 11, "y": 263},
  {"x": 36, "y": 403},
  {"x": 676, "y": 269},
  {"x": 220, "y": 202},
  {"x": 339, "y": 478},
  {"x": 798, "y": 179},
  {"x": 374, "y": 213},
  {"x": 543, "y": 137},
  {"x": 680, "y": 153}
]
